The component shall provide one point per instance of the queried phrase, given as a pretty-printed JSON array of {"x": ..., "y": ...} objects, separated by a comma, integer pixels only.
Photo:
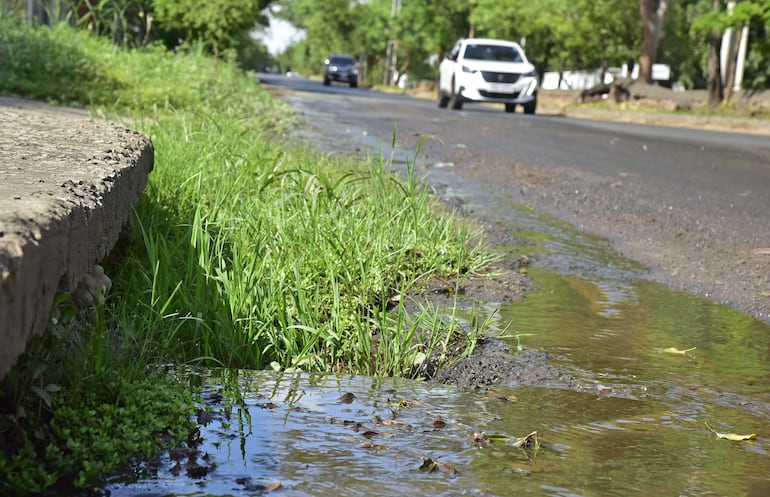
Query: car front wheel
[
  {"x": 529, "y": 107},
  {"x": 510, "y": 108},
  {"x": 443, "y": 99},
  {"x": 354, "y": 83},
  {"x": 455, "y": 100}
]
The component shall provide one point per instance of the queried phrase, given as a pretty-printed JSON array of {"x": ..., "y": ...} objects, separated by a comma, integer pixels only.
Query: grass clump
[
  {"x": 246, "y": 252},
  {"x": 273, "y": 256}
]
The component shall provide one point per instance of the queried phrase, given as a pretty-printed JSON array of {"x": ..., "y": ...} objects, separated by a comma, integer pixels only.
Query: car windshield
[
  {"x": 342, "y": 60},
  {"x": 498, "y": 53}
]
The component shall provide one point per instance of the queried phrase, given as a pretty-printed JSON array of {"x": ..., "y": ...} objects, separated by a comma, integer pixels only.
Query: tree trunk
[
  {"x": 715, "y": 93},
  {"x": 730, "y": 84},
  {"x": 603, "y": 67},
  {"x": 652, "y": 20}
]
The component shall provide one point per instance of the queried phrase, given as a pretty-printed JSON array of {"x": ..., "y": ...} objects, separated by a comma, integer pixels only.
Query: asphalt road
[{"x": 691, "y": 204}]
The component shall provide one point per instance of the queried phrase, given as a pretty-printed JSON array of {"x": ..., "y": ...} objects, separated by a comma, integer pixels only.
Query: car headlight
[
  {"x": 531, "y": 74},
  {"x": 468, "y": 69}
]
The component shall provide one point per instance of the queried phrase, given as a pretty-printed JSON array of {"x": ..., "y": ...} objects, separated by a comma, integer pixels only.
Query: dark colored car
[{"x": 342, "y": 68}]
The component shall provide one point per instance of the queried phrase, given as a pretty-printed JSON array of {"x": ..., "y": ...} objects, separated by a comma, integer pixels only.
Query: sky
[{"x": 279, "y": 35}]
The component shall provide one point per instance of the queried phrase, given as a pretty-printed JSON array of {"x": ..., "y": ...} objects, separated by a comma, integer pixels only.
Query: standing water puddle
[{"x": 643, "y": 371}]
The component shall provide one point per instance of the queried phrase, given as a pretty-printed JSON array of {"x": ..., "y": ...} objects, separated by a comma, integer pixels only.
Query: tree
[
  {"x": 684, "y": 54},
  {"x": 714, "y": 85},
  {"x": 739, "y": 16},
  {"x": 712, "y": 25},
  {"x": 252, "y": 55},
  {"x": 561, "y": 34},
  {"x": 425, "y": 28},
  {"x": 215, "y": 23},
  {"x": 328, "y": 27},
  {"x": 652, "y": 22},
  {"x": 757, "y": 69}
]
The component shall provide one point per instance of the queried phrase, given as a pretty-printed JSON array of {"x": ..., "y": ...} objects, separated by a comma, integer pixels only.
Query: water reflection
[
  {"x": 635, "y": 343},
  {"x": 657, "y": 441},
  {"x": 321, "y": 435},
  {"x": 318, "y": 435}
]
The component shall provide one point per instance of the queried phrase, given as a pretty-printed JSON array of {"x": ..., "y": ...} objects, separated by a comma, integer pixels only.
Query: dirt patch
[{"x": 493, "y": 361}]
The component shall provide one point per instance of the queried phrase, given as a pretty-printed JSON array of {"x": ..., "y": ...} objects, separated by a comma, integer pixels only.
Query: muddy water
[
  {"x": 643, "y": 433},
  {"x": 636, "y": 423},
  {"x": 643, "y": 371}
]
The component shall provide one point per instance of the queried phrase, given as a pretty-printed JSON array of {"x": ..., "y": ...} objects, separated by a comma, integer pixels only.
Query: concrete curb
[{"x": 68, "y": 185}]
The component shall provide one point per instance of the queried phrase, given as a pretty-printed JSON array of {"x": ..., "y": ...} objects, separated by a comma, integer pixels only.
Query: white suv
[{"x": 485, "y": 70}]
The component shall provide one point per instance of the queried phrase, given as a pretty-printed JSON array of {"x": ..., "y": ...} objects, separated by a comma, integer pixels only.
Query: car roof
[{"x": 491, "y": 41}]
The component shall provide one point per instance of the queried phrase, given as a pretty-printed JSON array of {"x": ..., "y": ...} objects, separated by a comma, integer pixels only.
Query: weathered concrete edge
[{"x": 52, "y": 235}]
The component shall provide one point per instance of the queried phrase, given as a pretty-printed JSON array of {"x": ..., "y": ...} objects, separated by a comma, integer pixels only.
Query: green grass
[
  {"x": 283, "y": 257},
  {"x": 246, "y": 252}
]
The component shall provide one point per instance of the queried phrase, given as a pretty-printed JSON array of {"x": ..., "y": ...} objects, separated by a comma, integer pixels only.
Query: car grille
[
  {"x": 492, "y": 94},
  {"x": 500, "y": 77}
]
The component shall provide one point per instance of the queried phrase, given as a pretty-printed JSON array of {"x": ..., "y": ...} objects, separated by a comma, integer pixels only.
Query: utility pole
[{"x": 392, "y": 48}]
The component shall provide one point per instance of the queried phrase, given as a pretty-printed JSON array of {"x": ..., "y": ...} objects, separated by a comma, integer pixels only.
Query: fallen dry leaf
[
  {"x": 439, "y": 423},
  {"x": 347, "y": 398},
  {"x": 672, "y": 350},
  {"x": 249, "y": 484},
  {"x": 731, "y": 436},
  {"x": 394, "y": 422},
  {"x": 375, "y": 447}
]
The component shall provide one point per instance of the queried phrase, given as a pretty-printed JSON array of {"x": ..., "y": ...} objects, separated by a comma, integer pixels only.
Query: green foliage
[
  {"x": 757, "y": 75},
  {"x": 125, "y": 22},
  {"x": 87, "y": 433},
  {"x": 754, "y": 14},
  {"x": 686, "y": 56},
  {"x": 252, "y": 55},
  {"x": 329, "y": 29},
  {"x": 75, "y": 407},
  {"x": 214, "y": 23},
  {"x": 52, "y": 64},
  {"x": 427, "y": 28},
  {"x": 564, "y": 34},
  {"x": 559, "y": 34}
]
